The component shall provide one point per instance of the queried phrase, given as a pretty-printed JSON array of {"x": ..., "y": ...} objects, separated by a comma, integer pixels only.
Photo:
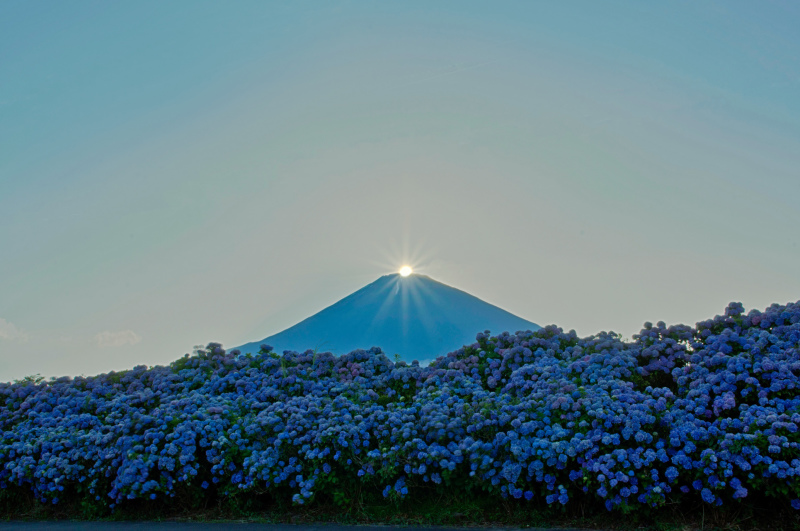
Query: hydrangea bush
[{"x": 678, "y": 413}]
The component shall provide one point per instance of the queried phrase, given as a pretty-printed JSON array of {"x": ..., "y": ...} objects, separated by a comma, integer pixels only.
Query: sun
[{"x": 406, "y": 270}]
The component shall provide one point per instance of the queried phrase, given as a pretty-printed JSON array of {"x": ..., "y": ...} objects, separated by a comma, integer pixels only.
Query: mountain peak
[{"x": 414, "y": 316}]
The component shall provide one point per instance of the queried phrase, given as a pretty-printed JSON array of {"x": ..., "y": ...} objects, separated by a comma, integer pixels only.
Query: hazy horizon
[{"x": 178, "y": 173}]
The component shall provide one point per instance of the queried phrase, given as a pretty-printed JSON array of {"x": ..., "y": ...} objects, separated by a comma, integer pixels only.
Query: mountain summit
[{"x": 414, "y": 316}]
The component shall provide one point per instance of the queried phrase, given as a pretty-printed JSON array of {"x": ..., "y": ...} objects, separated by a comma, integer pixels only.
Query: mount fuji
[{"x": 413, "y": 316}]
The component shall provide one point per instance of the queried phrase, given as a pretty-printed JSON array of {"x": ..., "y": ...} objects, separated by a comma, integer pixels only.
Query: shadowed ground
[{"x": 199, "y": 526}]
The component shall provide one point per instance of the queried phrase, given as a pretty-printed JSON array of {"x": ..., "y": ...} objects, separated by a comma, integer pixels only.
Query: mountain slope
[{"x": 415, "y": 317}]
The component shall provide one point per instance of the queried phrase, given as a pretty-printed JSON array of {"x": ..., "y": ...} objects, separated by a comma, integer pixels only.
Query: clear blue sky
[{"x": 173, "y": 173}]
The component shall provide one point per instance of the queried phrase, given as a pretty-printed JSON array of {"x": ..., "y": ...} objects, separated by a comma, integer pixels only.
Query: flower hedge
[{"x": 709, "y": 412}]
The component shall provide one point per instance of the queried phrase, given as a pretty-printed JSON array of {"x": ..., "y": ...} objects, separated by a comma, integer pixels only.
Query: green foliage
[
  {"x": 35, "y": 379},
  {"x": 431, "y": 506}
]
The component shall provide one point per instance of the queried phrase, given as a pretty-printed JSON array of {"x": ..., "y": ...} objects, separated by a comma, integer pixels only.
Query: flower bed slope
[{"x": 679, "y": 413}]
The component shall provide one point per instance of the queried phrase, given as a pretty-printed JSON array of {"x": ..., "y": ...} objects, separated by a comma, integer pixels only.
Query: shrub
[{"x": 679, "y": 414}]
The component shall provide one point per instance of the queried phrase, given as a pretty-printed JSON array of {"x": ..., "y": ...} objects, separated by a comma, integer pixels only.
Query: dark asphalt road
[{"x": 199, "y": 526}]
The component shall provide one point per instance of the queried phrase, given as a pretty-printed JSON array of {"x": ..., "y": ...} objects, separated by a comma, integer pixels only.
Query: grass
[{"x": 433, "y": 509}]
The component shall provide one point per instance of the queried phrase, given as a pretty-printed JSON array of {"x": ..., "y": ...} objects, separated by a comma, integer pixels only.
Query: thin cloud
[
  {"x": 116, "y": 339},
  {"x": 11, "y": 332}
]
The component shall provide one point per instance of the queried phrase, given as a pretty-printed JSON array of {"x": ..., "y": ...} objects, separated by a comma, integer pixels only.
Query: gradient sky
[{"x": 174, "y": 173}]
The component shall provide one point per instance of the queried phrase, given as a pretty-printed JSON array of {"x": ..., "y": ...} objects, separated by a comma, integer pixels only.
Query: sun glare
[{"x": 405, "y": 271}]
